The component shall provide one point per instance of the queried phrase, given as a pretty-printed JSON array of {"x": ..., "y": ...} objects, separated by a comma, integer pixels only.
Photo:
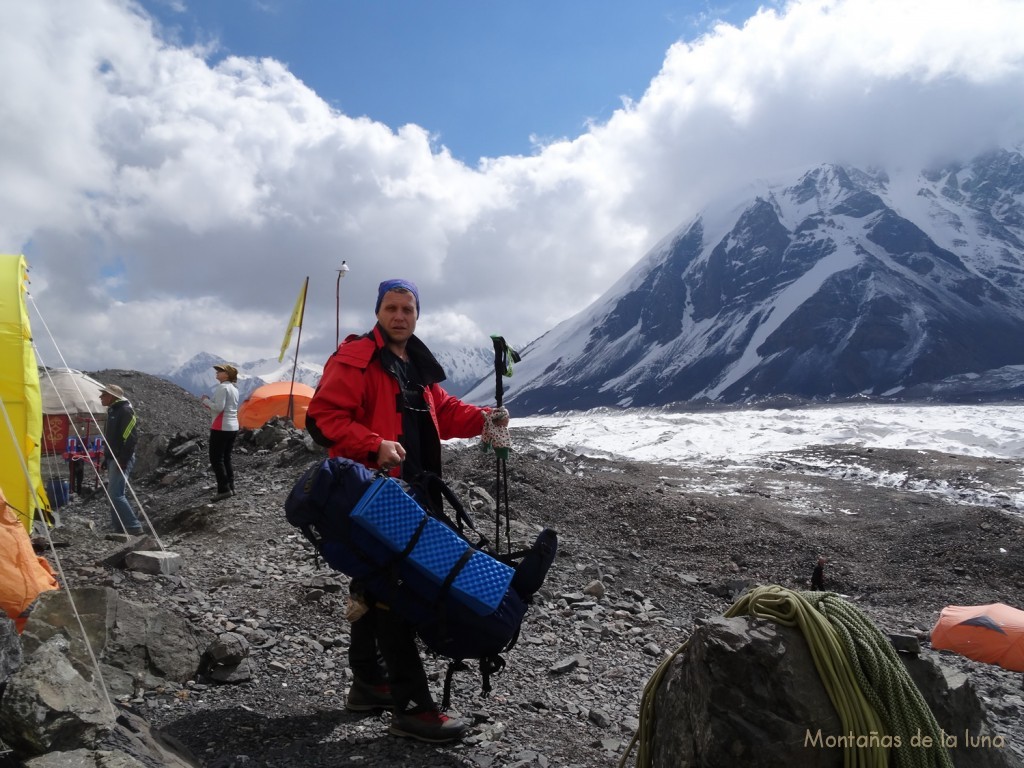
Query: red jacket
[{"x": 355, "y": 406}]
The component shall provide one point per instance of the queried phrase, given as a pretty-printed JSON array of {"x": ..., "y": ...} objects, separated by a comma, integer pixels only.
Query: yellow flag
[{"x": 296, "y": 319}]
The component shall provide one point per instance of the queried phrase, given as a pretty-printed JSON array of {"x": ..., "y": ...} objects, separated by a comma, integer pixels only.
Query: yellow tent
[{"x": 21, "y": 420}]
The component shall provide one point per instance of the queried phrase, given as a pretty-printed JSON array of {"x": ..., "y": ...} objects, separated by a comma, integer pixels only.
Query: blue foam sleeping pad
[{"x": 394, "y": 517}]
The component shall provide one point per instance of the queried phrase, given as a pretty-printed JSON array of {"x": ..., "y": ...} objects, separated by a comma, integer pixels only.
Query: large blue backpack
[{"x": 464, "y": 602}]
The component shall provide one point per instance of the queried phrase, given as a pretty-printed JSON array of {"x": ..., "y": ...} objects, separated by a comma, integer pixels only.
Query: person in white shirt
[{"x": 224, "y": 428}]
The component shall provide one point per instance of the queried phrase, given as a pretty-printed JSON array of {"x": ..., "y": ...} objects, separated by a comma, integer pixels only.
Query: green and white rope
[{"x": 886, "y": 685}]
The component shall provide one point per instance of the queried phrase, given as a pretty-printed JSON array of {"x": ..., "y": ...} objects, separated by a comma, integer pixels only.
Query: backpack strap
[
  {"x": 489, "y": 665},
  {"x": 427, "y": 481},
  {"x": 454, "y": 572},
  {"x": 316, "y": 540},
  {"x": 453, "y": 667}
]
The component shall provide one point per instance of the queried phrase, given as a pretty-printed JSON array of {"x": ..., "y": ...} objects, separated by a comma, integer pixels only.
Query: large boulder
[
  {"x": 134, "y": 643},
  {"x": 52, "y": 716},
  {"x": 746, "y": 692},
  {"x": 48, "y": 706}
]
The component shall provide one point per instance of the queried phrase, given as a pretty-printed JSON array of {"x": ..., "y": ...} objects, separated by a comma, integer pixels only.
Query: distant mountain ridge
[
  {"x": 840, "y": 283},
  {"x": 198, "y": 377},
  {"x": 463, "y": 365}
]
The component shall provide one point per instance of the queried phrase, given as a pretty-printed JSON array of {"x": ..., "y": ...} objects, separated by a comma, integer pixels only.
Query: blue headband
[{"x": 390, "y": 285}]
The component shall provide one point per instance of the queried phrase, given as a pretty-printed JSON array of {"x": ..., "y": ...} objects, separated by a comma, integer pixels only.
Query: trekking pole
[{"x": 498, "y": 438}]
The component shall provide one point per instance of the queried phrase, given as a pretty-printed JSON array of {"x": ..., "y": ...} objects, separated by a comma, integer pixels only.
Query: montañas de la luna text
[{"x": 875, "y": 740}]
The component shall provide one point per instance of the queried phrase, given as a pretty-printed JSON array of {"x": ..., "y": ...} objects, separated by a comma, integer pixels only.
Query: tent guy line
[
  {"x": 98, "y": 680},
  {"x": 128, "y": 484},
  {"x": 57, "y": 391}
]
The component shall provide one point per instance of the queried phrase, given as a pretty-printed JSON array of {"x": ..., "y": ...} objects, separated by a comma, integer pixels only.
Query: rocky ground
[{"x": 668, "y": 545}]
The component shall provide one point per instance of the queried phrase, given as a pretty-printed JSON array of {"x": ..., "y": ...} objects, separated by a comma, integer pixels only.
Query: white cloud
[{"x": 169, "y": 207}]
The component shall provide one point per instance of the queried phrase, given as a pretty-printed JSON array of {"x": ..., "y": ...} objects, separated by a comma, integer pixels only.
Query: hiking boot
[
  {"x": 431, "y": 726},
  {"x": 222, "y": 495},
  {"x": 363, "y": 697}
]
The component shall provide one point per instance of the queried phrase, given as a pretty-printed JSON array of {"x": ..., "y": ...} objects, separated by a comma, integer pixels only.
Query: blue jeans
[{"x": 117, "y": 483}]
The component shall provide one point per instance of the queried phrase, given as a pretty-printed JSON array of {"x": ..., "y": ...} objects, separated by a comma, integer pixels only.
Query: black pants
[
  {"x": 77, "y": 475},
  {"x": 381, "y": 634},
  {"x": 221, "y": 443}
]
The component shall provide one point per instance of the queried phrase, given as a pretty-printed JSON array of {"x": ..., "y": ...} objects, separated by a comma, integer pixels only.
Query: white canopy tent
[
  {"x": 73, "y": 415},
  {"x": 69, "y": 392}
]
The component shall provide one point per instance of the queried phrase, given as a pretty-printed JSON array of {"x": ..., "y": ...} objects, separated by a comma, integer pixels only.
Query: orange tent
[
  {"x": 272, "y": 400},
  {"x": 991, "y": 633}
]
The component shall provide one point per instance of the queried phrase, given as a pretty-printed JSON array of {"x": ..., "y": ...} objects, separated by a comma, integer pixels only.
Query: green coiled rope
[{"x": 860, "y": 670}]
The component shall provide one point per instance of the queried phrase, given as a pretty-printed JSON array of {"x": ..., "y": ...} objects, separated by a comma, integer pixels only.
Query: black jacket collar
[{"x": 429, "y": 369}]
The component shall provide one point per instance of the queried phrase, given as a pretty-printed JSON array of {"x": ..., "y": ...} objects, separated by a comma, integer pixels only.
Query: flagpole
[
  {"x": 295, "y": 364},
  {"x": 337, "y": 304}
]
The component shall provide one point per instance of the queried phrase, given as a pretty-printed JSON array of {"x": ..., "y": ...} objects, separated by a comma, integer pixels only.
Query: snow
[
  {"x": 690, "y": 438},
  {"x": 720, "y": 442}
]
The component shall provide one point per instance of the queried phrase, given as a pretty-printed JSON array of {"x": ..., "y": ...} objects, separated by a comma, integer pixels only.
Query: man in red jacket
[{"x": 380, "y": 403}]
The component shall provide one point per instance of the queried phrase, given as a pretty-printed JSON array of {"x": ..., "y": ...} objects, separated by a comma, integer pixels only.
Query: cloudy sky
[{"x": 173, "y": 170}]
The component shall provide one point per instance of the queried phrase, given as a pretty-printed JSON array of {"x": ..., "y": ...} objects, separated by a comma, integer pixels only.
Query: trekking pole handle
[{"x": 499, "y": 366}]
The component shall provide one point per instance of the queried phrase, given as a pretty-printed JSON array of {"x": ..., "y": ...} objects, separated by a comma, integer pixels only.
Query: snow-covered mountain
[
  {"x": 464, "y": 366},
  {"x": 198, "y": 377},
  {"x": 836, "y": 284}
]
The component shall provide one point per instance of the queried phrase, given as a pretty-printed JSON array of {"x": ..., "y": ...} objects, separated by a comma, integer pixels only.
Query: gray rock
[
  {"x": 75, "y": 758},
  {"x": 738, "y": 686},
  {"x": 184, "y": 449},
  {"x": 161, "y": 562},
  {"x": 599, "y": 718},
  {"x": 232, "y": 673},
  {"x": 10, "y": 648},
  {"x": 228, "y": 648},
  {"x": 132, "y": 641},
  {"x": 564, "y": 665},
  {"x": 48, "y": 706},
  {"x": 958, "y": 711}
]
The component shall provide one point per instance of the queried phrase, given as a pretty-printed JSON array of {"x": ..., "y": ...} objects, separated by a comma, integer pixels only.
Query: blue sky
[
  {"x": 173, "y": 170},
  {"x": 483, "y": 76}
]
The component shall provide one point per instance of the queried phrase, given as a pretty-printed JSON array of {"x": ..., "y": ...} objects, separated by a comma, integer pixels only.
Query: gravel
[{"x": 645, "y": 552}]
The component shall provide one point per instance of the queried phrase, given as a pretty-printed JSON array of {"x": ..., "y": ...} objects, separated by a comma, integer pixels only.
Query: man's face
[
  {"x": 397, "y": 315},
  {"x": 106, "y": 399}
]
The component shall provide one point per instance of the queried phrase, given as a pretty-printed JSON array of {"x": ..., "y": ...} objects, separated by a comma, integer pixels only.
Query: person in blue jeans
[{"x": 121, "y": 435}]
